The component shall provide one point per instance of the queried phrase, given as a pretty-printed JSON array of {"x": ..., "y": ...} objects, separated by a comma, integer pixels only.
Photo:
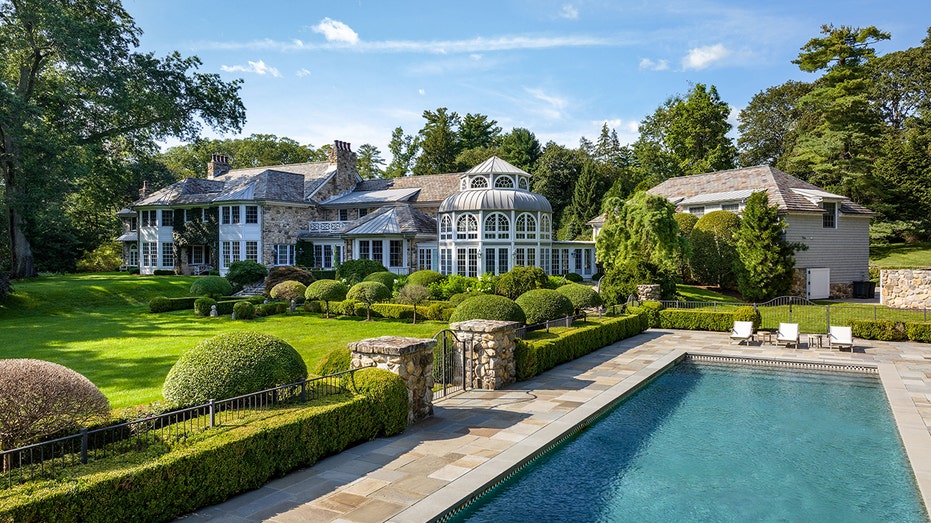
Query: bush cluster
[
  {"x": 385, "y": 278},
  {"x": 230, "y": 365},
  {"x": 696, "y": 320},
  {"x": 519, "y": 280},
  {"x": 354, "y": 271},
  {"x": 541, "y": 305},
  {"x": 211, "y": 469},
  {"x": 887, "y": 330},
  {"x": 211, "y": 286},
  {"x": 581, "y": 296},
  {"x": 488, "y": 307},
  {"x": 270, "y": 309},
  {"x": 282, "y": 274},
  {"x": 535, "y": 356},
  {"x": 244, "y": 310},
  {"x": 326, "y": 291},
  {"x": 424, "y": 277},
  {"x": 289, "y": 290},
  {"x": 246, "y": 272},
  {"x": 452, "y": 284},
  {"x": 749, "y": 313},
  {"x": 202, "y": 306}
]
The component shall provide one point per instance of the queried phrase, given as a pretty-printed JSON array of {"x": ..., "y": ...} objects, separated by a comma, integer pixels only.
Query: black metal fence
[
  {"x": 450, "y": 365},
  {"x": 44, "y": 459},
  {"x": 566, "y": 321}
]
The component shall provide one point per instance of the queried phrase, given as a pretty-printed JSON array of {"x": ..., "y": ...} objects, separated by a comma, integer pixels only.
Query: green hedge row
[
  {"x": 536, "y": 356},
  {"x": 211, "y": 467},
  {"x": 890, "y": 330},
  {"x": 696, "y": 320},
  {"x": 431, "y": 311},
  {"x": 163, "y": 304}
]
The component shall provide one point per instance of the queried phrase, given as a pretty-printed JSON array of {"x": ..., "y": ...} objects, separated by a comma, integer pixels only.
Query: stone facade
[
  {"x": 489, "y": 347},
  {"x": 409, "y": 358},
  {"x": 905, "y": 288},
  {"x": 280, "y": 226},
  {"x": 649, "y": 292}
]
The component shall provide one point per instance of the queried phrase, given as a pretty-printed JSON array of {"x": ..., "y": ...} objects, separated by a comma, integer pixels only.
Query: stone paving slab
[{"x": 478, "y": 436}]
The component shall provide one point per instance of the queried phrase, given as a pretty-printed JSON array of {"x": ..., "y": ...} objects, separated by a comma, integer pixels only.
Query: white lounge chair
[
  {"x": 787, "y": 334},
  {"x": 840, "y": 337},
  {"x": 742, "y": 332}
]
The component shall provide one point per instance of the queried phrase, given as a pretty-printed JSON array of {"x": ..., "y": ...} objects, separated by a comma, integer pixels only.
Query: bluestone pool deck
[{"x": 477, "y": 437}]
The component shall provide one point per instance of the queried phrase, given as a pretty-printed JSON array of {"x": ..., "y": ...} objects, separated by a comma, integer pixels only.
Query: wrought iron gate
[{"x": 450, "y": 365}]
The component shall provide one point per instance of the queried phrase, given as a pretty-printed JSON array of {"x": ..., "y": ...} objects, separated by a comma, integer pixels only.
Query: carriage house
[{"x": 321, "y": 214}]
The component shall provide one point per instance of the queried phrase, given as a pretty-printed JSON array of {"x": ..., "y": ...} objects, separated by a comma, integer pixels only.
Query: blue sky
[{"x": 354, "y": 70}]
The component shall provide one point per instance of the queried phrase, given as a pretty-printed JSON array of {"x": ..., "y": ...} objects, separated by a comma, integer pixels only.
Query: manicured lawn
[
  {"x": 100, "y": 326},
  {"x": 916, "y": 254},
  {"x": 692, "y": 293}
]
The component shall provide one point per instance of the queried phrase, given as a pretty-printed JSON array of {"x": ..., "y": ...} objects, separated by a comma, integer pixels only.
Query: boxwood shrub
[
  {"x": 488, "y": 307},
  {"x": 232, "y": 364},
  {"x": 541, "y": 305},
  {"x": 161, "y": 484},
  {"x": 395, "y": 310},
  {"x": 535, "y": 356},
  {"x": 581, "y": 296},
  {"x": 884, "y": 330},
  {"x": 287, "y": 273},
  {"x": 696, "y": 320},
  {"x": 202, "y": 306},
  {"x": 650, "y": 309},
  {"x": 337, "y": 360},
  {"x": 244, "y": 310},
  {"x": 386, "y": 278},
  {"x": 211, "y": 286},
  {"x": 424, "y": 277},
  {"x": 749, "y": 313},
  {"x": 919, "y": 331},
  {"x": 172, "y": 304}
]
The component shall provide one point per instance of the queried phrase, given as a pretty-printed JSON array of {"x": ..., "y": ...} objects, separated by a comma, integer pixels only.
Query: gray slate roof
[
  {"x": 788, "y": 192},
  {"x": 371, "y": 197},
  {"x": 281, "y": 183},
  {"x": 401, "y": 220},
  {"x": 433, "y": 187}
]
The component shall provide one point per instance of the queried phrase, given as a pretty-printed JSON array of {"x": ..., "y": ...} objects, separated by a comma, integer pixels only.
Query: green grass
[
  {"x": 100, "y": 326},
  {"x": 692, "y": 293},
  {"x": 917, "y": 254}
]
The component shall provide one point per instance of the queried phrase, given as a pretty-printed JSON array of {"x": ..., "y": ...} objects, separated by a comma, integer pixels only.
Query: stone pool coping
[{"x": 478, "y": 437}]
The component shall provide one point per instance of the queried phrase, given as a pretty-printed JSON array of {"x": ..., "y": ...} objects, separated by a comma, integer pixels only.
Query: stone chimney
[
  {"x": 144, "y": 191},
  {"x": 341, "y": 151},
  {"x": 218, "y": 165}
]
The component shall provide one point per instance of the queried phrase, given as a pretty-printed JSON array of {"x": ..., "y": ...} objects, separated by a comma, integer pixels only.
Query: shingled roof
[
  {"x": 433, "y": 187},
  {"x": 282, "y": 183},
  {"x": 791, "y": 194}
]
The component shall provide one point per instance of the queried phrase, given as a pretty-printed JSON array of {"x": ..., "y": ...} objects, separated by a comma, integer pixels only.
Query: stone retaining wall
[
  {"x": 905, "y": 288},
  {"x": 409, "y": 358}
]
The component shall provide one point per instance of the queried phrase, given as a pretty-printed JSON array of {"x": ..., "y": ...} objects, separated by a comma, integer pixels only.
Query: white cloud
[
  {"x": 336, "y": 31},
  {"x": 702, "y": 57},
  {"x": 421, "y": 92},
  {"x": 475, "y": 56},
  {"x": 301, "y": 73},
  {"x": 570, "y": 12},
  {"x": 259, "y": 68},
  {"x": 552, "y": 106},
  {"x": 650, "y": 65}
]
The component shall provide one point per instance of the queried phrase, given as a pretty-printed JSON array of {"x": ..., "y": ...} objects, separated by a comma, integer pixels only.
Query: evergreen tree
[
  {"x": 520, "y": 148},
  {"x": 439, "y": 143},
  {"x": 369, "y": 162},
  {"x": 477, "y": 130},
  {"x": 554, "y": 177},
  {"x": 403, "y": 149},
  {"x": 768, "y": 124},
  {"x": 586, "y": 203},
  {"x": 765, "y": 260}
]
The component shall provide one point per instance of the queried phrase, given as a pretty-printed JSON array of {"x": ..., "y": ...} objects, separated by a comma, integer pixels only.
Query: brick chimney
[{"x": 218, "y": 165}]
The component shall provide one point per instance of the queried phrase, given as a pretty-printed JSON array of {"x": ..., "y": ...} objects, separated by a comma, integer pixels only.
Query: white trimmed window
[
  {"x": 149, "y": 254},
  {"x": 252, "y": 214},
  {"x": 467, "y": 227},
  {"x": 697, "y": 211},
  {"x": 284, "y": 254},
  {"x": 424, "y": 259},
  {"x": 446, "y": 228},
  {"x": 378, "y": 251},
  {"x": 504, "y": 182},
  {"x": 198, "y": 255},
  {"x": 252, "y": 251},
  {"x": 479, "y": 183},
  {"x": 545, "y": 227},
  {"x": 225, "y": 254},
  {"x": 497, "y": 227},
  {"x": 522, "y": 183},
  {"x": 168, "y": 255},
  {"x": 446, "y": 261},
  {"x": 168, "y": 218},
  {"x": 526, "y": 227},
  {"x": 829, "y": 218},
  {"x": 396, "y": 253}
]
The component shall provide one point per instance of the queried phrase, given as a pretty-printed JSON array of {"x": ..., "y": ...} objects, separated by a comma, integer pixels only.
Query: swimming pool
[{"x": 724, "y": 443}]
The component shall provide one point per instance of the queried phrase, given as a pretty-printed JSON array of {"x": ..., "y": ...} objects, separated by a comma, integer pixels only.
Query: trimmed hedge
[
  {"x": 919, "y": 331},
  {"x": 394, "y": 310},
  {"x": 581, "y": 296},
  {"x": 535, "y": 356},
  {"x": 244, "y": 310},
  {"x": 214, "y": 466},
  {"x": 269, "y": 309},
  {"x": 749, "y": 313},
  {"x": 884, "y": 330},
  {"x": 488, "y": 307},
  {"x": 650, "y": 308},
  {"x": 696, "y": 320},
  {"x": 337, "y": 360},
  {"x": 211, "y": 286},
  {"x": 163, "y": 304},
  {"x": 163, "y": 272},
  {"x": 202, "y": 306}
]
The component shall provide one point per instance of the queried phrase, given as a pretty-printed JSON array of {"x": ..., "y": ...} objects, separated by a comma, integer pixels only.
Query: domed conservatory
[{"x": 494, "y": 223}]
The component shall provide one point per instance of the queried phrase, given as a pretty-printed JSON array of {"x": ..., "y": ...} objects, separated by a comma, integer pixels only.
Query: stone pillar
[
  {"x": 409, "y": 358},
  {"x": 489, "y": 348},
  {"x": 649, "y": 292}
]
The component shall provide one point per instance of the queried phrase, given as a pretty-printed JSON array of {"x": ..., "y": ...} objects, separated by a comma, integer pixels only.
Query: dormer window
[
  {"x": 829, "y": 218},
  {"x": 522, "y": 183},
  {"x": 479, "y": 183},
  {"x": 504, "y": 182}
]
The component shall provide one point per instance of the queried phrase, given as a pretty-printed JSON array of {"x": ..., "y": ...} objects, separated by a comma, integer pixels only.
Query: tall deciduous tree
[
  {"x": 768, "y": 123},
  {"x": 403, "y": 149},
  {"x": 439, "y": 142},
  {"x": 555, "y": 175},
  {"x": 256, "y": 150},
  {"x": 70, "y": 84},
  {"x": 765, "y": 259}
]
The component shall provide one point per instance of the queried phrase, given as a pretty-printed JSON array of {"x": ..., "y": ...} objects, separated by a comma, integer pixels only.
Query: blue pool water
[{"x": 707, "y": 442}]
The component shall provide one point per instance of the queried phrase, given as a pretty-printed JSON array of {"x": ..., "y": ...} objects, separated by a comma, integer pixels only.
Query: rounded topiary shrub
[
  {"x": 245, "y": 272},
  {"x": 244, "y": 310},
  {"x": 574, "y": 278},
  {"x": 369, "y": 293},
  {"x": 424, "y": 277},
  {"x": 327, "y": 291},
  {"x": 282, "y": 274},
  {"x": 488, "y": 307},
  {"x": 541, "y": 305},
  {"x": 456, "y": 299},
  {"x": 385, "y": 278},
  {"x": 354, "y": 271},
  {"x": 581, "y": 296},
  {"x": 202, "y": 306},
  {"x": 289, "y": 290},
  {"x": 749, "y": 314},
  {"x": 159, "y": 304},
  {"x": 520, "y": 280},
  {"x": 230, "y": 365},
  {"x": 211, "y": 286},
  {"x": 337, "y": 360}
]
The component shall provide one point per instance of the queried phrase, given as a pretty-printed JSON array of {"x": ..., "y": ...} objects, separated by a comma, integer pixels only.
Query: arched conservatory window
[
  {"x": 545, "y": 227},
  {"x": 467, "y": 227},
  {"x": 526, "y": 227},
  {"x": 497, "y": 227},
  {"x": 522, "y": 183},
  {"x": 446, "y": 228},
  {"x": 504, "y": 182},
  {"x": 479, "y": 183}
]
